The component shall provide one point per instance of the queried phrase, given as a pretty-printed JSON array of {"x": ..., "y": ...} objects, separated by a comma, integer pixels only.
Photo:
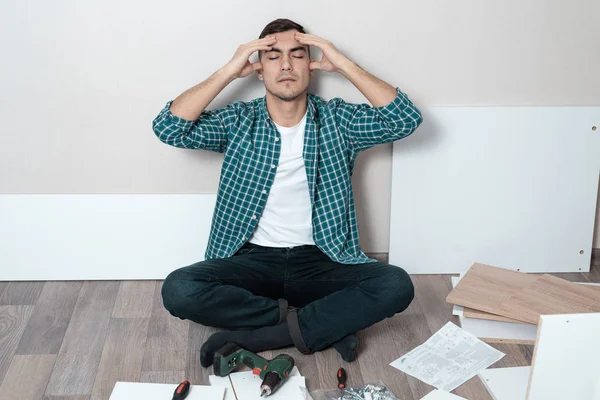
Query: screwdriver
[
  {"x": 182, "y": 390},
  {"x": 341, "y": 377}
]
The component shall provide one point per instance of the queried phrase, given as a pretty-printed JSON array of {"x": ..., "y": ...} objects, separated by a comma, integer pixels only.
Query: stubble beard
[{"x": 287, "y": 96}]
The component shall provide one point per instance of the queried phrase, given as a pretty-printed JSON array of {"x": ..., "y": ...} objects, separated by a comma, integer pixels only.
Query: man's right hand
[
  {"x": 190, "y": 104},
  {"x": 240, "y": 66}
]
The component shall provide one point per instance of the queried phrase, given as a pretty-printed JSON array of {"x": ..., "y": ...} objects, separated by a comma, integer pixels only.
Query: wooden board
[
  {"x": 566, "y": 359},
  {"x": 485, "y": 287},
  {"x": 473, "y": 313},
  {"x": 549, "y": 295},
  {"x": 496, "y": 331}
]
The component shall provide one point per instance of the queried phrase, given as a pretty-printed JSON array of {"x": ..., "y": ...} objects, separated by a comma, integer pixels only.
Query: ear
[{"x": 257, "y": 67}]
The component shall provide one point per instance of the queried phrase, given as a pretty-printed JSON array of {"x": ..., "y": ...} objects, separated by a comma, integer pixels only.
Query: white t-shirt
[{"x": 287, "y": 218}]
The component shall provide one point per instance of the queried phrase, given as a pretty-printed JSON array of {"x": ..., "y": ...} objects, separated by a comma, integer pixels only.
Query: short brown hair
[{"x": 280, "y": 25}]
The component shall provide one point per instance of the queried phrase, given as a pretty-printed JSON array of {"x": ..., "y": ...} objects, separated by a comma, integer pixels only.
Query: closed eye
[{"x": 275, "y": 58}]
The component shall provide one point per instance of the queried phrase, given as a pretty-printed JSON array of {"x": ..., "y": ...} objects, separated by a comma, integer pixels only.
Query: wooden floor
[{"x": 74, "y": 340}]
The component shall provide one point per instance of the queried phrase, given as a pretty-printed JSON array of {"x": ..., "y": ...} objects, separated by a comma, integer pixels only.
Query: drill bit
[
  {"x": 265, "y": 390},
  {"x": 270, "y": 383}
]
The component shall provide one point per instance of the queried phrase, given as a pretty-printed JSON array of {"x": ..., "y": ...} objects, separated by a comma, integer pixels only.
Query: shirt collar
[{"x": 310, "y": 108}]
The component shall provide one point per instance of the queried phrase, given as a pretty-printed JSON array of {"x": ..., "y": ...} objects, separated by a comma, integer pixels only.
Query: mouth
[{"x": 287, "y": 80}]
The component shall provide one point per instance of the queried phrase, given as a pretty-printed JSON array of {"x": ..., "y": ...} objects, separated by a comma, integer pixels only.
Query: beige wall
[{"x": 84, "y": 81}]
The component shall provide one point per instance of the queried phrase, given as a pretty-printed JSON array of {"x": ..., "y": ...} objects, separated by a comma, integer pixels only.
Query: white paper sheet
[
  {"x": 448, "y": 359},
  {"x": 159, "y": 391},
  {"x": 439, "y": 395}
]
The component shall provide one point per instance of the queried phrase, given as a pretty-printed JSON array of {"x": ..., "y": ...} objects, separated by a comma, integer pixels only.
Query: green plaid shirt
[{"x": 335, "y": 132}]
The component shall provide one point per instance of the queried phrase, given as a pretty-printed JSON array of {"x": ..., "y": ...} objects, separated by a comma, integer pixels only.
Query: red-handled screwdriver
[
  {"x": 182, "y": 390},
  {"x": 341, "y": 377}
]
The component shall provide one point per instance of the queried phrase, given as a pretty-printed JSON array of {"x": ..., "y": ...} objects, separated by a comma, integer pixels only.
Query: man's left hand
[{"x": 332, "y": 61}]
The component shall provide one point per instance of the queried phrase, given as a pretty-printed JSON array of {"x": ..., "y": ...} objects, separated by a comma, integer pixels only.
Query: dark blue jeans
[{"x": 242, "y": 292}]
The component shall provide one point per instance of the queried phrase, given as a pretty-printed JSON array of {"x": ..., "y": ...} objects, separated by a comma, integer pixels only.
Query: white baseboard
[{"x": 101, "y": 237}]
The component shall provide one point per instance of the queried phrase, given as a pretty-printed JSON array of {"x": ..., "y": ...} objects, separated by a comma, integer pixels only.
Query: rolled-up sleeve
[
  {"x": 364, "y": 126},
  {"x": 208, "y": 132}
]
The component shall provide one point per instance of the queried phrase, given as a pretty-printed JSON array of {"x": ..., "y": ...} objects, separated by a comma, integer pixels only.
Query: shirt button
[
  {"x": 254, "y": 217},
  {"x": 264, "y": 192},
  {"x": 277, "y": 139},
  {"x": 272, "y": 165}
]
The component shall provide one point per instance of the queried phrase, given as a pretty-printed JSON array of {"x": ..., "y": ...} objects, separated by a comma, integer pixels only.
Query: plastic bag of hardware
[{"x": 370, "y": 391}]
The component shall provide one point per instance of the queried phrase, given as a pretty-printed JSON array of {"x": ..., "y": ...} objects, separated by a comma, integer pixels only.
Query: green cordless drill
[{"x": 273, "y": 373}]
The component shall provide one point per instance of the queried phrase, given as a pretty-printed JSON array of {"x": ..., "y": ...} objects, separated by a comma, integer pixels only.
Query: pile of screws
[{"x": 369, "y": 392}]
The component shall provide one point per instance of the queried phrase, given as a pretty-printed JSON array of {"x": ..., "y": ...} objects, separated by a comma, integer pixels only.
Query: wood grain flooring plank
[
  {"x": 381, "y": 348},
  {"x": 122, "y": 355},
  {"x": 134, "y": 299},
  {"x": 517, "y": 355},
  {"x": 431, "y": 292},
  {"x": 197, "y": 335},
  {"x": 379, "y": 345},
  {"x": 550, "y": 295},
  {"x": 21, "y": 293},
  {"x": 569, "y": 276},
  {"x": 594, "y": 274},
  {"x": 77, "y": 363},
  {"x": 47, "y": 326},
  {"x": 172, "y": 377},
  {"x": 3, "y": 285},
  {"x": 328, "y": 362},
  {"x": 166, "y": 347},
  {"x": 390, "y": 339},
  {"x": 27, "y": 376},
  {"x": 13, "y": 320}
]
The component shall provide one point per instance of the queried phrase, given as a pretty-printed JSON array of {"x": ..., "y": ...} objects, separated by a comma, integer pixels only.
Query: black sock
[
  {"x": 266, "y": 338},
  {"x": 347, "y": 347}
]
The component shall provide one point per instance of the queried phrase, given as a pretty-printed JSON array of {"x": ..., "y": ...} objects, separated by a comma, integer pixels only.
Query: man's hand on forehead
[{"x": 332, "y": 60}]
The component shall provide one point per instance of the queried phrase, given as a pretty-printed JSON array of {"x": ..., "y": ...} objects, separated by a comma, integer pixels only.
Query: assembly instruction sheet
[{"x": 448, "y": 359}]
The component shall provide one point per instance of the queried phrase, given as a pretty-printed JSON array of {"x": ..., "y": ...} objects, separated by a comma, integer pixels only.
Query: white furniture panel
[
  {"x": 506, "y": 383},
  {"x": 513, "y": 187},
  {"x": 566, "y": 360}
]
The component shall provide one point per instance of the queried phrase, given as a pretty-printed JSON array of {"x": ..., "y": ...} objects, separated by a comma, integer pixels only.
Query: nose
[{"x": 286, "y": 65}]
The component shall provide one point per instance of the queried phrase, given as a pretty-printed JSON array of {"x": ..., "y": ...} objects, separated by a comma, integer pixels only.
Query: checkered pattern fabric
[{"x": 335, "y": 132}]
